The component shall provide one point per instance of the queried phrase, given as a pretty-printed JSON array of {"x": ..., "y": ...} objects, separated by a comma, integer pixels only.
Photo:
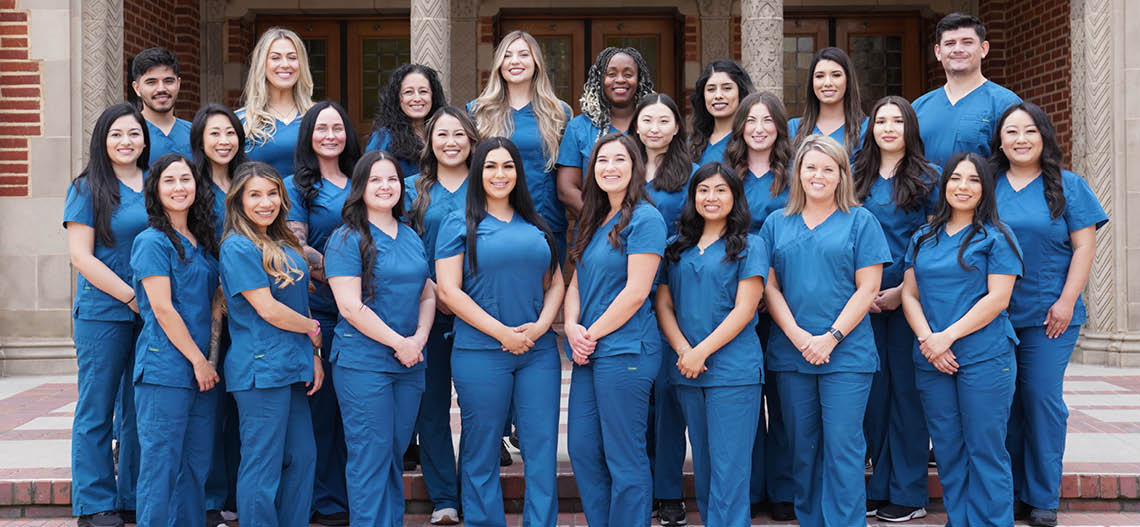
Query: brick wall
[
  {"x": 20, "y": 99},
  {"x": 174, "y": 25},
  {"x": 239, "y": 38}
]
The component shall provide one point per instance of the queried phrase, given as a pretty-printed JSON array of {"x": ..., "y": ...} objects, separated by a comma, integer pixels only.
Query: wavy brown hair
[
  {"x": 780, "y": 158},
  {"x": 273, "y": 257},
  {"x": 596, "y": 204}
]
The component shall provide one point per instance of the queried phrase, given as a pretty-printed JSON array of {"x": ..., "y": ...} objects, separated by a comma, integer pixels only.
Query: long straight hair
[
  {"x": 198, "y": 141},
  {"x": 844, "y": 190},
  {"x": 692, "y": 224},
  {"x": 914, "y": 177},
  {"x": 273, "y": 257},
  {"x": 429, "y": 165},
  {"x": 780, "y": 158},
  {"x": 260, "y": 126},
  {"x": 200, "y": 217},
  {"x": 596, "y": 204},
  {"x": 98, "y": 177},
  {"x": 703, "y": 121},
  {"x": 355, "y": 213},
  {"x": 852, "y": 109},
  {"x": 1050, "y": 154},
  {"x": 306, "y": 165},
  {"x": 674, "y": 170}
]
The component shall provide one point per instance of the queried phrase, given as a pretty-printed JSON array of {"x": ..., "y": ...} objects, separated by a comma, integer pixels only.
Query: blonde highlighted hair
[
  {"x": 277, "y": 235},
  {"x": 844, "y": 190},
  {"x": 492, "y": 109},
  {"x": 260, "y": 126}
]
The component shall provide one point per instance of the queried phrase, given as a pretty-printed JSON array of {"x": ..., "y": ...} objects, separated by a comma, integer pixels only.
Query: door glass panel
[
  {"x": 379, "y": 58},
  {"x": 318, "y": 66},
  {"x": 557, "y": 53},
  {"x": 798, "y": 51},
  {"x": 649, "y": 46},
  {"x": 878, "y": 63}
]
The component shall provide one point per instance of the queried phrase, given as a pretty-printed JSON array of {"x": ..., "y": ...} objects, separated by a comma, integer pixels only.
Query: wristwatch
[{"x": 838, "y": 335}]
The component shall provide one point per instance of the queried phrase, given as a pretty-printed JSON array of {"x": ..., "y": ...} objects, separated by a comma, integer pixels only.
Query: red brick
[
  {"x": 19, "y": 117},
  {"x": 61, "y": 493},
  {"x": 13, "y": 142},
  {"x": 1128, "y": 487},
  {"x": 13, "y": 54},
  {"x": 13, "y": 168},
  {"x": 1092, "y": 505},
  {"x": 19, "y": 130},
  {"x": 1070, "y": 486},
  {"x": 22, "y": 493},
  {"x": 14, "y": 29},
  {"x": 7, "y": 4},
  {"x": 9, "y": 43},
  {"x": 13, "y": 155},
  {"x": 5, "y": 493},
  {"x": 14, "y": 80},
  {"x": 1089, "y": 486},
  {"x": 1108, "y": 487},
  {"x": 41, "y": 490},
  {"x": 16, "y": 16},
  {"x": 19, "y": 104},
  {"x": 47, "y": 511},
  {"x": 13, "y": 192}
]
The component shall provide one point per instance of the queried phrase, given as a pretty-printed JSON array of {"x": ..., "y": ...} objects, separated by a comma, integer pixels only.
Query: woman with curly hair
[
  {"x": 410, "y": 99},
  {"x": 720, "y": 89},
  {"x": 278, "y": 91}
]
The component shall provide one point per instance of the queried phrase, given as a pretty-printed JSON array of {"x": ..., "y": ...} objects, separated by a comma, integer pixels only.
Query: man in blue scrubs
[
  {"x": 961, "y": 115},
  {"x": 154, "y": 77}
]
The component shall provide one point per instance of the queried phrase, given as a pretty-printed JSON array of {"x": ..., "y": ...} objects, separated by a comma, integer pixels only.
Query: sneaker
[
  {"x": 214, "y": 519},
  {"x": 505, "y": 459},
  {"x": 100, "y": 519},
  {"x": 127, "y": 516},
  {"x": 873, "y": 506},
  {"x": 1021, "y": 510},
  {"x": 411, "y": 457},
  {"x": 930, "y": 461},
  {"x": 445, "y": 516},
  {"x": 514, "y": 439},
  {"x": 1042, "y": 517},
  {"x": 336, "y": 519},
  {"x": 899, "y": 513},
  {"x": 783, "y": 511},
  {"x": 672, "y": 512}
]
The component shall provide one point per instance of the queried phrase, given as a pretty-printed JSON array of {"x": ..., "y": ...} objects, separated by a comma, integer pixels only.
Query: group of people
[{"x": 266, "y": 316}]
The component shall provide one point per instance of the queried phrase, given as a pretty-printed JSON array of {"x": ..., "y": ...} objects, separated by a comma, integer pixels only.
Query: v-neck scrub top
[
  {"x": 840, "y": 134},
  {"x": 761, "y": 202},
  {"x": 898, "y": 224},
  {"x": 382, "y": 140},
  {"x": 670, "y": 204},
  {"x": 278, "y": 150},
  {"x": 178, "y": 141},
  {"x": 965, "y": 126},
  {"x": 322, "y": 216},
  {"x": 714, "y": 151},
  {"x": 443, "y": 203},
  {"x": 578, "y": 142}
]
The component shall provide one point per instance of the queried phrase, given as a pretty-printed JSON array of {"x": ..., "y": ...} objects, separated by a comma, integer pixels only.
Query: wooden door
[
  {"x": 322, "y": 42},
  {"x": 653, "y": 37},
  {"x": 885, "y": 52},
  {"x": 563, "y": 44},
  {"x": 376, "y": 47},
  {"x": 802, "y": 38}
]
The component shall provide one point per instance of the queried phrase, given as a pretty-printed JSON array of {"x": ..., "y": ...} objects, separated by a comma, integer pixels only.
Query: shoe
[
  {"x": 672, "y": 513},
  {"x": 899, "y": 513},
  {"x": 656, "y": 509},
  {"x": 930, "y": 461},
  {"x": 514, "y": 439},
  {"x": 755, "y": 509},
  {"x": 127, "y": 516},
  {"x": 1042, "y": 517},
  {"x": 783, "y": 511},
  {"x": 505, "y": 459},
  {"x": 336, "y": 519},
  {"x": 100, "y": 519},
  {"x": 873, "y": 506},
  {"x": 1021, "y": 510},
  {"x": 411, "y": 457},
  {"x": 445, "y": 516},
  {"x": 229, "y": 516},
  {"x": 214, "y": 518}
]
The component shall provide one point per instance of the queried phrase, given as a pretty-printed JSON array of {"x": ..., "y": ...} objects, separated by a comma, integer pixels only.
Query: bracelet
[
  {"x": 131, "y": 299},
  {"x": 318, "y": 331},
  {"x": 316, "y": 352}
]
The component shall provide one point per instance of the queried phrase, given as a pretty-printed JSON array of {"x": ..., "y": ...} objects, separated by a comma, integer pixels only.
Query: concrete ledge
[
  {"x": 1117, "y": 349},
  {"x": 28, "y": 356}
]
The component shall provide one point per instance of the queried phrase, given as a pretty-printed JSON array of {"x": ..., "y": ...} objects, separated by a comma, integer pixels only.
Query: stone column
[
  {"x": 762, "y": 43},
  {"x": 431, "y": 37},
  {"x": 213, "y": 51},
  {"x": 464, "y": 50},
  {"x": 716, "y": 30},
  {"x": 101, "y": 70}
]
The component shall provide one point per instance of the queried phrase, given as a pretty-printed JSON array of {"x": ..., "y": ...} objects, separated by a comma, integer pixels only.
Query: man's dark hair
[
  {"x": 957, "y": 21},
  {"x": 152, "y": 58}
]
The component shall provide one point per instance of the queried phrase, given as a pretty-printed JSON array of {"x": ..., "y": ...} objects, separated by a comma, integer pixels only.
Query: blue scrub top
[
  {"x": 219, "y": 210},
  {"x": 443, "y": 203},
  {"x": 193, "y": 281},
  {"x": 898, "y": 224},
  {"x": 816, "y": 272},
  {"x": 398, "y": 277},
  {"x": 761, "y": 202},
  {"x": 714, "y": 151},
  {"x": 603, "y": 273},
  {"x": 840, "y": 134},
  {"x": 380, "y": 140},
  {"x": 1045, "y": 242},
  {"x": 966, "y": 126},
  {"x": 127, "y": 221},
  {"x": 670, "y": 204},
  {"x": 947, "y": 291},
  {"x": 262, "y": 355},
  {"x": 323, "y": 217},
  {"x": 513, "y": 258},
  {"x": 178, "y": 141},
  {"x": 703, "y": 287},
  {"x": 278, "y": 150},
  {"x": 578, "y": 142}
]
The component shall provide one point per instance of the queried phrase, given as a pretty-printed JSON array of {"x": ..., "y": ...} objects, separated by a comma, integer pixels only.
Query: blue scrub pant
[
  {"x": 105, "y": 350},
  {"x": 221, "y": 480},
  {"x": 967, "y": 415},
  {"x": 1038, "y": 418},
  {"x": 379, "y": 411},
  {"x": 894, "y": 425},
  {"x": 176, "y": 429},
  {"x": 487, "y": 382},
  {"x": 330, "y": 492},
  {"x": 605, "y": 436},
  {"x": 772, "y": 451},
  {"x": 433, "y": 425},
  {"x": 722, "y": 423},
  {"x": 275, "y": 479},
  {"x": 667, "y": 443},
  {"x": 824, "y": 415}
]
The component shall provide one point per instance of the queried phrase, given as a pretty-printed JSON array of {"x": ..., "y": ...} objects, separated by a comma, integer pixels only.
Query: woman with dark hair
[
  {"x": 833, "y": 102},
  {"x": 713, "y": 280},
  {"x": 615, "y": 83},
  {"x": 439, "y": 189},
  {"x": 896, "y": 183},
  {"x": 960, "y": 271},
  {"x": 720, "y": 88},
  {"x": 103, "y": 213},
  {"x": 1055, "y": 216},
  {"x": 177, "y": 276},
  {"x": 498, "y": 271},
  {"x": 378, "y": 272},
  {"x": 411, "y": 97},
  {"x": 613, "y": 336}
]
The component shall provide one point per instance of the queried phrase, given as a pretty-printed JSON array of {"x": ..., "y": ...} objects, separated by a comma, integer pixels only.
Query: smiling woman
[{"x": 278, "y": 90}]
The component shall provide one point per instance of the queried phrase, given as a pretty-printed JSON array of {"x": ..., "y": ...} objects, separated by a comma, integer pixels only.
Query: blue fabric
[
  {"x": 1045, "y": 243},
  {"x": 605, "y": 435},
  {"x": 379, "y": 410},
  {"x": 703, "y": 286},
  {"x": 816, "y": 272},
  {"x": 513, "y": 258},
  {"x": 489, "y": 384},
  {"x": 381, "y": 140},
  {"x": 840, "y": 134},
  {"x": 578, "y": 142},
  {"x": 967, "y": 415},
  {"x": 219, "y": 211},
  {"x": 670, "y": 204},
  {"x": 221, "y": 481},
  {"x": 176, "y": 428},
  {"x": 192, "y": 284},
  {"x": 761, "y": 202},
  {"x": 278, "y": 150},
  {"x": 603, "y": 273},
  {"x": 177, "y": 142},
  {"x": 666, "y": 441},
  {"x": 398, "y": 277},
  {"x": 127, "y": 221},
  {"x": 443, "y": 202},
  {"x": 261, "y": 355},
  {"x": 947, "y": 292},
  {"x": 322, "y": 217},
  {"x": 966, "y": 126},
  {"x": 722, "y": 423},
  {"x": 714, "y": 151},
  {"x": 433, "y": 424},
  {"x": 898, "y": 224}
]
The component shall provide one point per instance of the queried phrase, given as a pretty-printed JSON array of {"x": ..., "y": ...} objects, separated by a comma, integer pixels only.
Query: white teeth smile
[{"x": 817, "y": 185}]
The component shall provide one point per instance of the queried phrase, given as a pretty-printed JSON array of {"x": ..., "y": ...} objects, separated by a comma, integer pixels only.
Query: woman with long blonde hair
[{"x": 278, "y": 91}]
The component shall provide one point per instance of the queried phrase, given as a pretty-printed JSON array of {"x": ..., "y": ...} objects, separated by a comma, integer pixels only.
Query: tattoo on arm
[{"x": 217, "y": 310}]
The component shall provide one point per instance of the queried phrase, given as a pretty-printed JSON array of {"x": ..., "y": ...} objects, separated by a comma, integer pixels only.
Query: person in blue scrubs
[
  {"x": 155, "y": 80},
  {"x": 613, "y": 336},
  {"x": 274, "y": 359},
  {"x": 760, "y": 152},
  {"x": 617, "y": 80},
  {"x": 1054, "y": 215},
  {"x": 720, "y": 88},
  {"x": 498, "y": 271},
  {"x": 896, "y": 183},
  {"x": 326, "y": 154},
  {"x": 960, "y": 271},
  {"x": 378, "y": 272},
  {"x": 834, "y": 107},
  {"x": 103, "y": 213},
  {"x": 659, "y": 133},
  {"x": 177, "y": 277},
  {"x": 827, "y": 255},
  {"x": 433, "y": 194},
  {"x": 411, "y": 98},
  {"x": 961, "y": 115},
  {"x": 278, "y": 91},
  {"x": 712, "y": 281}
]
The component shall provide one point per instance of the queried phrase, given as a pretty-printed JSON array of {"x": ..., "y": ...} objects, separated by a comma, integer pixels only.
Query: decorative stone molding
[
  {"x": 762, "y": 44},
  {"x": 431, "y": 37},
  {"x": 464, "y": 48},
  {"x": 102, "y": 65},
  {"x": 716, "y": 37}
]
